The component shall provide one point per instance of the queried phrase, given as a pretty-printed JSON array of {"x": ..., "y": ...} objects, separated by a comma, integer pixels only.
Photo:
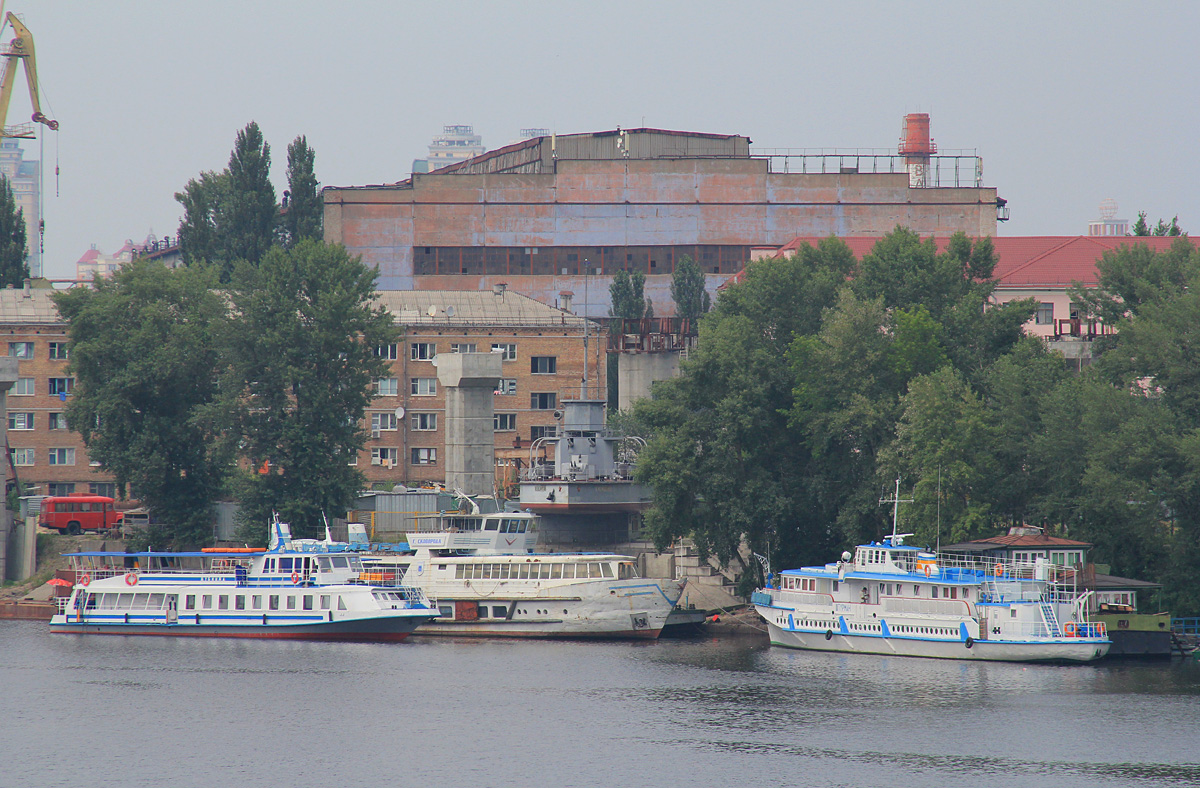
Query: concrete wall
[
  {"x": 470, "y": 379},
  {"x": 636, "y": 372}
]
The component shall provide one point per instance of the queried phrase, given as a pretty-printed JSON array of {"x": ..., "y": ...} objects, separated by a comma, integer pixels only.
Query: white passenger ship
[
  {"x": 889, "y": 598},
  {"x": 486, "y": 581},
  {"x": 301, "y": 590}
]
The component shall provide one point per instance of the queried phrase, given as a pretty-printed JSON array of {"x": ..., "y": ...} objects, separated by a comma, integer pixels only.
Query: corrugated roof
[
  {"x": 19, "y": 308},
  {"x": 471, "y": 307}
]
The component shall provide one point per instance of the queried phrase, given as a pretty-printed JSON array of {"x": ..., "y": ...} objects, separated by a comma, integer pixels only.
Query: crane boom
[{"x": 20, "y": 48}]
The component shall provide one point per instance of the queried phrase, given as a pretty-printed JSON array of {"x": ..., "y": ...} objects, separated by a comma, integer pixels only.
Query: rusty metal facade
[{"x": 657, "y": 190}]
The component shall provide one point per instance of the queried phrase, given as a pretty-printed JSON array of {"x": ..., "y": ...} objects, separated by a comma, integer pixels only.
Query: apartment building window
[
  {"x": 385, "y": 456},
  {"x": 22, "y": 388},
  {"x": 543, "y": 400},
  {"x": 422, "y": 351},
  {"x": 507, "y": 386},
  {"x": 463, "y": 347},
  {"x": 543, "y": 365},
  {"x": 57, "y": 421},
  {"x": 18, "y": 420},
  {"x": 1045, "y": 314},
  {"x": 62, "y": 456},
  {"x": 61, "y": 385},
  {"x": 59, "y": 351},
  {"x": 504, "y": 422},
  {"x": 424, "y": 456},
  {"x": 60, "y": 488},
  {"x": 386, "y": 387},
  {"x": 507, "y": 350},
  {"x": 424, "y": 387},
  {"x": 386, "y": 351},
  {"x": 383, "y": 422},
  {"x": 23, "y": 457},
  {"x": 536, "y": 432},
  {"x": 424, "y": 422},
  {"x": 107, "y": 489},
  {"x": 22, "y": 350}
]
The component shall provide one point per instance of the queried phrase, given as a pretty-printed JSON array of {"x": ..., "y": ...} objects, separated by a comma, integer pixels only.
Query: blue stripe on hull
[{"x": 373, "y": 629}]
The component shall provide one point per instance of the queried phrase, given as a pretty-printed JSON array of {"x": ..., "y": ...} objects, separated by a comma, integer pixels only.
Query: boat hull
[
  {"x": 1050, "y": 650},
  {"x": 388, "y": 630}
]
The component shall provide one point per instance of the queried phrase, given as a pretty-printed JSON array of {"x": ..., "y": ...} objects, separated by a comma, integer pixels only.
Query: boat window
[
  {"x": 139, "y": 601},
  {"x": 341, "y": 603},
  {"x": 482, "y": 611},
  {"x": 491, "y": 524},
  {"x": 291, "y": 602},
  {"x": 308, "y": 602},
  {"x": 285, "y": 564},
  {"x": 323, "y": 564},
  {"x": 157, "y": 601},
  {"x": 273, "y": 602},
  {"x": 524, "y": 572},
  {"x": 504, "y": 526},
  {"x": 607, "y": 570},
  {"x": 504, "y": 570},
  {"x": 355, "y": 563},
  {"x": 206, "y": 601},
  {"x": 500, "y": 611},
  {"x": 933, "y": 592},
  {"x": 326, "y": 600},
  {"x": 522, "y": 525},
  {"x": 339, "y": 562},
  {"x": 953, "y": 593},
  {"x": 239, "y": 602},
  {"x": 124, "y": 600},
  {"x": 544, "y": 572},
  {"x": 222, "y": 602},
  {"x": 256, "y": 602},
  {"x": 835, "y": 585},
  {"x": 458, "y": 572},
  {"x": 556, "y": 571},
  {"x": 487, "y": 571},
  {"x": 476, "y": 571}
]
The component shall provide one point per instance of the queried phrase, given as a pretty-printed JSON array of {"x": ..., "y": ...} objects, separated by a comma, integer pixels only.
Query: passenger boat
[
  {"x": 891, "y": 598},
  {"x": 300, "y": 590},
  {"x": 486, "y": 580}
]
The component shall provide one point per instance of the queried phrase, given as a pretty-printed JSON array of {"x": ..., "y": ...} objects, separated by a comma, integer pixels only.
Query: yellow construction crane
[{"x": 19, "y": 49}]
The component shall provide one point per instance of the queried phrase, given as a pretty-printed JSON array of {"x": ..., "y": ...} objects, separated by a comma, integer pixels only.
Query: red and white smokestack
[{"x": 916, "y": 146}]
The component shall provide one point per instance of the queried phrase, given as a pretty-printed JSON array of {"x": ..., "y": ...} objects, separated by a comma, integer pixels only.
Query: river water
[{"x": 86, "y": 711}]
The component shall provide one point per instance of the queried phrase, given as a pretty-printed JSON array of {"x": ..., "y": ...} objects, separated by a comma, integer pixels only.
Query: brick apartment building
[{"x": 543, "y": 350}]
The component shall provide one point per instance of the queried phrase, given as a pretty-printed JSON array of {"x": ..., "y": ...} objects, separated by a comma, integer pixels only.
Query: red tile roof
[{"x": 90, "y": 256}]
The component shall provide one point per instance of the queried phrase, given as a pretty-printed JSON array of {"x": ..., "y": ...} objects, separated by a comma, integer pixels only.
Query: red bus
[{"x": 74, "y": 514}]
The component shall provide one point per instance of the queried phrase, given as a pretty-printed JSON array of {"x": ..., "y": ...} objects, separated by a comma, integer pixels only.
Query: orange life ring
[
  {"x": 928, "y": 571},
  {"x": 999, "y": 570},
  {"x": 295, "y": 578},
  {"x": 131, "y": 578},
  {"x": 1071, "y": 629},
  {"x": 84, "y": 579}
]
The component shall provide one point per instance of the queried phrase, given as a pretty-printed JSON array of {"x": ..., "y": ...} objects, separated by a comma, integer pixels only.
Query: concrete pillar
[
  {"x": 637, "y": 372},
  {"x": 469, "y": 380},
  {"x": 8, "y": 568}
]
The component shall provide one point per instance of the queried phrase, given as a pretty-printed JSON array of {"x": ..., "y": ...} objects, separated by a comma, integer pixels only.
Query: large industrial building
[{"x": 563, "y": 213}]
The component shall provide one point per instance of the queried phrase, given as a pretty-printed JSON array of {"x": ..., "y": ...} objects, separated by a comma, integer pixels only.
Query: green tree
[
  {"x": 145, "y": 355},
  {"x": 231, "y": 215},
  {"x": 303, "y": 212},
  {"x": 721, "y": 457},
  {"x": 1141, "y": 227},
  {"x": 301, "y": 363},
  {"x": 628, "y": 295},
  {"x": 687, "y": 290},
  {"x": 14, "y": 250}
]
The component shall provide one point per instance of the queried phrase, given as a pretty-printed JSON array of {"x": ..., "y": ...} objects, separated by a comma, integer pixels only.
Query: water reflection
[{"x": 474, "y": 712}]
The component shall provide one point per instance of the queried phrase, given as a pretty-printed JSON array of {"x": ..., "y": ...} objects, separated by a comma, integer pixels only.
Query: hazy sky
[{"x": 1067, "y": 103}]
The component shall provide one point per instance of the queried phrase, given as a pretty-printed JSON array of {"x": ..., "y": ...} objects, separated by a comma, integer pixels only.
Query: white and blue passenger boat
[
  {"x": 300, "y": 590},
  {"x": 891, "y": 598}
]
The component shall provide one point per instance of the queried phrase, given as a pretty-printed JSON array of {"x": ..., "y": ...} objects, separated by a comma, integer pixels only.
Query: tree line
[
  {"x": 243, "y": 373},
  {"x": 819, "y": 379}
]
